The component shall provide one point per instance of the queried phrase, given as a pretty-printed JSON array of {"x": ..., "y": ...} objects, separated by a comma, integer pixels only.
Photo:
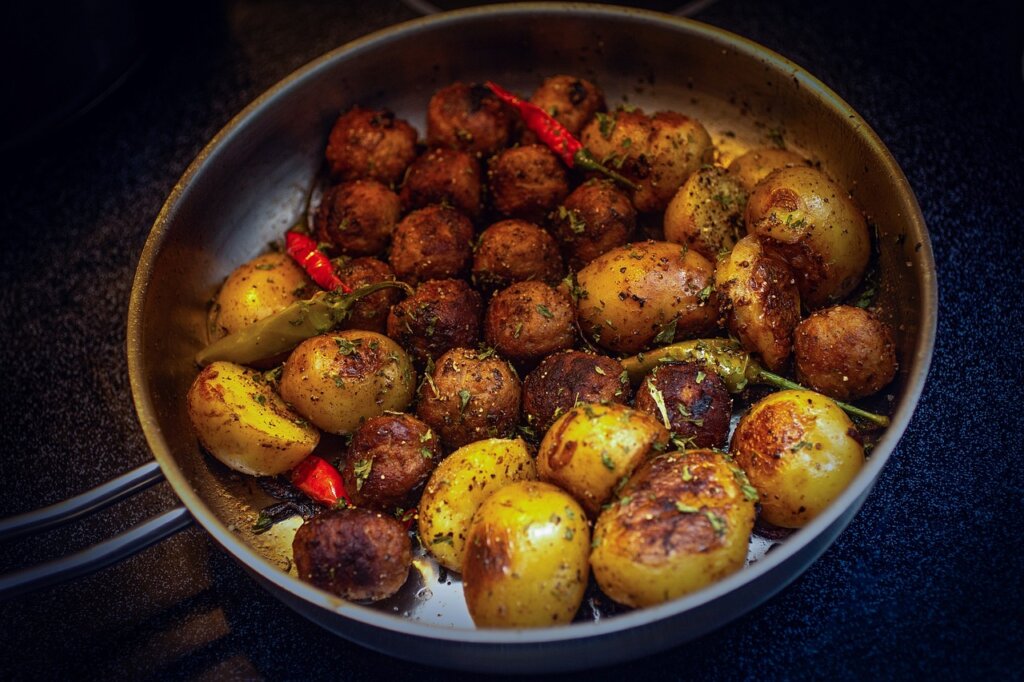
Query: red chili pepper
[
  {"x": 556, "y": 136},
  {"x": 303, "y": 250},
  {"x": 317, "y": 478}
]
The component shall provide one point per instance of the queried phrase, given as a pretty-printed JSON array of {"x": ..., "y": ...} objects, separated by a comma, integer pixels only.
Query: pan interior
[{"x": 249, "y": 185}]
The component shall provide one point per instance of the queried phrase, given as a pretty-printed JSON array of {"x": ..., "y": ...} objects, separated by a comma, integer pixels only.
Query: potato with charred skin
[
  {"x": 657, "y": 152},
  {"x": 444, "y": 176},
  {"x": 526, "y": 559},
  {"x": 757, "y": 164},
  {"x": 261, "y": 287},
  {"x": 800, "y": 451},
  {"x": 468, "y": 116},
  {"x": 356, "y": 554},
  {"x": 759, "y": 301},
  {"x": 594, "y": 219},
  {"x": 810, "y": 222},
  {"x": 591, "y": 449},
  {"x": 683, "y": 521},
  {"x": 563, "y": 379},
  {"x": 459, "y": 485},
  {"x": 339, "y": 380},
  {"x": 370, "y": 144},
  {"x": 530, "y": 320},
  {"x": 390, "y": 458},
  {"x": 646, "y": 291},
  {"x": 470, "y": 396},
  {"x": 844, "y": 352},
  {"x": 512, "y": 251},
  {"x": 431, "y": 243},
  {"x": 570, "y": 100},
  {"x": 706, "y": 213},
  {"x": 526, "y": 182},
  {"x": 244, "y": 423}
]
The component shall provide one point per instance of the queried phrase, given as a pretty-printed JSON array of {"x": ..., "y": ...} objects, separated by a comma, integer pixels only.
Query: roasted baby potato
[
  {"x": 759, "y": 300},
  {"x": 646, "y": 291},
  {"x": 658, "y": 152},
  {"x": 812, "y": 224},
  {"x": 339, "y": 380},
  {"x": 844, "y": 352},
  {"x": 460, "y": 484},
  {"x": 526, "y": 558},
  {"x": 591, "y": 449},
  {"x": 757, "y": 164},
  {"x": 706, "y": 213},
  {"x": 682, "y": 522},
  {"x": 800, "y": 451},
  {"x": 265, "y": 285},
  {"x": 241, "y": 421},
  {"x": 354, "y": 553}
]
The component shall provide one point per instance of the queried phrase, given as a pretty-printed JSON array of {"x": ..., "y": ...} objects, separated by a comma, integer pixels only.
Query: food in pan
[{"x": 529, "y": 391}]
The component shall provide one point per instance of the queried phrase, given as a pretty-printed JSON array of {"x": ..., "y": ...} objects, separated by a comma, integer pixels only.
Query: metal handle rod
[
  {"x": 94, "y": 558},
  {"x": 88, "y": 502}
]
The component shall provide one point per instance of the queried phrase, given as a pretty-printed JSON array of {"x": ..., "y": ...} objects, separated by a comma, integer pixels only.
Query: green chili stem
[
  {"x": 772, "y": 379},
  {"x": 585, "y": 160}
]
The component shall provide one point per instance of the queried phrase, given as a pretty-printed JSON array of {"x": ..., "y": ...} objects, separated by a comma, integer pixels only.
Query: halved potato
[{"x": 244, "y": 423}]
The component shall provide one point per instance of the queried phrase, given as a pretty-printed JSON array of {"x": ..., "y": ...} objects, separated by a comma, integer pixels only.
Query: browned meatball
[
  {"x": 358, "y": 217},
  {"x": 571, "y": 100},
  {"x": 515, "y": 251},
  {"x": 529, "y": 320},
  {"x": 441, "y": 315},
  {"x": 370, "y": 312},
  {"x": 695, "y": 400},
  {"x": 469, "y": 117},
  {"x": 356, "y": 553},
  {"x": 527, "y": 182},
  {"x": 390, "y": 459},
  {"x": 370, "y": 144},
  {"x": 431, "y": 243},
  {"x": 594, "y": 219},
  {"x": 844, "y": 352},
  {"x": 563, "y": 379},
  {"x": 444, "y": 176},
  {"x": 470, "y": 397}
]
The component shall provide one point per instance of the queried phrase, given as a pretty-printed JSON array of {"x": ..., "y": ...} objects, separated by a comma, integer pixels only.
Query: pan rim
[{"x": 854, "y": 494}]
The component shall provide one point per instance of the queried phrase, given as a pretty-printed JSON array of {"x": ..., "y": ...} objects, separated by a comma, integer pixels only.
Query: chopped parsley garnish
[
  {"x": 667, "y": 333},
  {"x": 543, "y": 310},
  {"x": 464, "y": 397},
  {"x": 362, "y": 471}
]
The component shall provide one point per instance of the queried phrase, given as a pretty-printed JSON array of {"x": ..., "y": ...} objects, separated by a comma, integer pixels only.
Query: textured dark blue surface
[{"x": 928, "y": 578}]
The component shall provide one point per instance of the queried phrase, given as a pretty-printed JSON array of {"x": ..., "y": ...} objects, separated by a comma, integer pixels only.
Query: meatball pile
[{"x": 529, "y": 284}]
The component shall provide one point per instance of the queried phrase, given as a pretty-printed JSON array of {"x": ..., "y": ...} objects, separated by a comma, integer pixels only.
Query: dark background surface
[{"x": 928, "y": 577}]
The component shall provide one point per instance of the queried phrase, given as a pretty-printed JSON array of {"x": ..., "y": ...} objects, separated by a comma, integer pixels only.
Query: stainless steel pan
[{"x": 248, "y": 185}]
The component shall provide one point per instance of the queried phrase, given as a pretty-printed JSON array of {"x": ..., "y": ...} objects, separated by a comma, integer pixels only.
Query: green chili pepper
[
  {"x": 727, "y": 359},
  {"x": 283, "y": 331}
]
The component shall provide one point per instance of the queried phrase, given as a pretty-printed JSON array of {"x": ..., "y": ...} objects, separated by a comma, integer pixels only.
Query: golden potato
[
  {"x": 526, "y": 559},
  {"x": 800, "y": 451},
  {"x": 757, "y": 164},
  {"x": 682, "y": 522},
  {"x": 460, "y": 484},
  {"x": 591, "y": 449},
  {"x": 812, "y": 224},
  {"x": 265, "y": 285},
  {"x": 339, "y": 380},
  {"x": 759, "y": 300},
  {"x": 657, "y": 152},
  {"x": 241, "y": 421},
  {"x": 646, "y": 292},
  {"x": 706, "y": 213},
  {"x": 844, "y": 352}
]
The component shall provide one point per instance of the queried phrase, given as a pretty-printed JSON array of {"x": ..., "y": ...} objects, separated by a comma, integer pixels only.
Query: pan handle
[{"x": 100, "y": 555}]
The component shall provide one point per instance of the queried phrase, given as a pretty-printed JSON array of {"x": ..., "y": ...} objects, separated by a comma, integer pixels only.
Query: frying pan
[{"x": 248, "y": 185}]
